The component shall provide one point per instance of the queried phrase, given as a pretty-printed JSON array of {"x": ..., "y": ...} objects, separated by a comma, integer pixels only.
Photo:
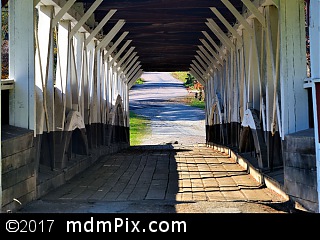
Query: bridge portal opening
[{"x": 170, "y": 107}]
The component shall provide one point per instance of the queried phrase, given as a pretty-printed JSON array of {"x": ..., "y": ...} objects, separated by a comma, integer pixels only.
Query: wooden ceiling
[{"x": 165, "y": 33}]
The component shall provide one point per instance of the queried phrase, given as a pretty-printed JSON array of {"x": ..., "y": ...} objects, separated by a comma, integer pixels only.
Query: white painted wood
[
  {"x": 100, "y": 25},
  {"x": 205, "y": 66},
  {"x": 114, "y": 88},
  {"x": 108, "y": 88},
  {"x": 91, "y": 52},
  {"x": 85, "y": 17},
  {"x": 247, "y": 60},
  {"x": 35, "y": 2},
  {"x": 74, "y": 82},
  {"x": 255, "y": 11},
  {"x": 98, "y": 77},
  {"x": 127, "y": 110},
  {"x": 85, "y": 83},
  {"x": 196, "y": 71},
  {"x": 69, "y": 74},
  {"x": 44, "y": 91},
  {"x": 219, "y": 33},
  {"x": 79, "y": 39},
  {"x": 218, "y": 58},
  {"x": 227, "y": 24},
  {"x": 270, "y": 65},
  {"x": 103, "y": 92},
  {"x": 206, "y": 60},
  {"x": 115, "y": 58},
  {"x": 200, "y": 74},
  {"x": 135, "y": 78},
  {"x": 127, "y": 54},
  {"x": 74, "y": 120},
  {"x": 197, "y": 77},
  {"x": 62, "y": 11},
  {"x": 115, "y": 45},
  {"x": 242, "y": 83},
  {"x": 133, "y": 69},
  {"x": 293, "y": 67},
  {"x": 224, "y": 96},
  {"x": 127, "y": 68},
  {"x": 256, "y": 78},
  {"x": 205, "y": 52},
  {"x": 275, "y": 3},
  {"x": 127, "y": 63},
  {"x": 238, "y": 16},
  {"x": 248, "y": 120},
  {"x": 214, "y": 44},
  {"x": 62, "y": 74},
  {"x": 228, "y": 90},
  {"x": 200, "y": 79},
  {"x": 276, "y": 123},
  {"x": 7, "y": 84},
  {"x": 314, "y": 34},
  {"x": 260, "y": 44},
  {"x": 235, "y": 117},
  {"x": 94, "y": 85},
  {"x": 21, "y": 64},
  {"x": 107, "y": 39},
  {"x": 201, "y": 70},
  {"x": 208, "y": 71}
]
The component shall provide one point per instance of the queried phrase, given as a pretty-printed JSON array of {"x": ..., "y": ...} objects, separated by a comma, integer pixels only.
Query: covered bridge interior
[
  {"x": 72, "y": 64},
  {"x": 166, "y": 34}
]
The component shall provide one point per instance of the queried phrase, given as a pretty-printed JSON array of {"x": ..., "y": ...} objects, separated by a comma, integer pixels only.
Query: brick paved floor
[
  {"x": 160, "y": 176},
  {"x": 172, "y": 175}
]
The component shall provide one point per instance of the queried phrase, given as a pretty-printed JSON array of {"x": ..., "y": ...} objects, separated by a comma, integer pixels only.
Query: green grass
[
  {"x": 180, "y": 75},
  {"x": 139, "y": 127},
  {"x": 140, "y": 81},
  {"x": 197, "y": 103},
  {"x": 194, "y": 102}
]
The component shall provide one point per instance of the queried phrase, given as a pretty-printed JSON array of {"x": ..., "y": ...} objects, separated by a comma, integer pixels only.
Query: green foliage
[
  {"x": 189, "y": 80},
  {"x": 139, "y": 127},
  {"x": 197, "y": 103},
  {"x": 185, "y": 77},
  {"x": 5, "y": 25},
  {"x": 139, "y": 81}
]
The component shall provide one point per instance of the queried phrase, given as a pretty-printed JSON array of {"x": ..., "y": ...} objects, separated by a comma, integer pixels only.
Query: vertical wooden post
[
  {"x": 21, "y": 63},
  {"x": 315, "y": 75},
  {"x": 62, "y": 75},
  {"x": 43, "y": 71},
  {"x": 293, "y": 66},
  {"x": 79, "y": 55},
  {"x": 44, "y": 81},
  {"x": 85, "y": 83}
]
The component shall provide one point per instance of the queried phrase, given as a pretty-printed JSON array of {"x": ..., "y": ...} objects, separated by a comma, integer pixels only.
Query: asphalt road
[{"x": 160, "y": 99}]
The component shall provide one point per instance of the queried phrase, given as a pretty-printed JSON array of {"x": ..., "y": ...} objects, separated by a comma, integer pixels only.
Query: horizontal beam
[{"x": 7, "y": 84}]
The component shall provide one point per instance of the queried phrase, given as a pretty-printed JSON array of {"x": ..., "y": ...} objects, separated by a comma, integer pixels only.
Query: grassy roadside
[
  {"x": 197, "y": 103},
  {"x": 190, "y": 100},
  {"x": 180, "y": 75},
  {"x": 139, "y": 127}
]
